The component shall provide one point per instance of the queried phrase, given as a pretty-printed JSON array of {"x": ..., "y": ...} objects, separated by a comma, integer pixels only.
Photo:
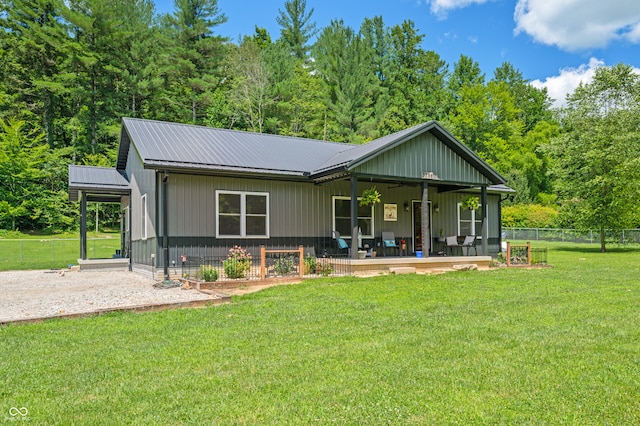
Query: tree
[
  {"x": 296, "y": 27},
  {"x": 596, "y": 158},
  {"x": 191, "y": 63},
  {"x": 343, "y": 62},
  {"x": 31, "y": 192}
]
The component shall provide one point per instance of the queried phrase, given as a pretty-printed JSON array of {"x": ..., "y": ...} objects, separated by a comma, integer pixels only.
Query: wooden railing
[{"x": 263, "y": 259}]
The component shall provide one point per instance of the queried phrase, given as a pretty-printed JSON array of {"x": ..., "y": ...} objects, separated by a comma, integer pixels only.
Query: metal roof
[
  {"x": 96, "y": 180},
  {"x": 163, "y": 145},
  {"x": 170, "y": 145}
]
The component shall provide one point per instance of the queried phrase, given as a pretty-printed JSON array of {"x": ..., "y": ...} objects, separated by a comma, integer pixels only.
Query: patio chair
[
  {"x": 470, "y": 243},
  {"x": 389, "y": 242},
  {"x": 342, "y": 244},
  {"x": 452, "y": 242}
]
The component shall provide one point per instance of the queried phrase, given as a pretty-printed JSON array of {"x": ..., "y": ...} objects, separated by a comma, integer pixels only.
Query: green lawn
[
  {"x": 24, "y": 251},
  {"x": 557, "y": 345}
]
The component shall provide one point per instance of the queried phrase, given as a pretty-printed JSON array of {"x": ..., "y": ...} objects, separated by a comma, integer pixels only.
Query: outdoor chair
[
  {"x": 470, "y": 243},
  {"x": 452, "y": 242},
  {"x": 342, "y": 244},
  {"x": 389, "y": 242}
]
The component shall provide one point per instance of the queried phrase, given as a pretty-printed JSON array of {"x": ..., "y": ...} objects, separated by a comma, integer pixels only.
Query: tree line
[{"x": 71, "y": 69}]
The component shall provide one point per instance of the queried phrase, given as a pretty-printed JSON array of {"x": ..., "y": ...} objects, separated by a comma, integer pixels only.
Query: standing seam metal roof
[{"x": 172, "y": 145}]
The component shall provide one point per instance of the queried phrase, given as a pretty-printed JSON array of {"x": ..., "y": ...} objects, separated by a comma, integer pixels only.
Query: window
[
  {"x": 342, "y": 218},
  {"x": 145, "y": 217},
  {"x": 242, "y": 214},
  {"x": 469, "y": 221}
]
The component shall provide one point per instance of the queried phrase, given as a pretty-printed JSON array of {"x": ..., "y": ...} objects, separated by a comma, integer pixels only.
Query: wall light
[{"x": 406, "y": 206}]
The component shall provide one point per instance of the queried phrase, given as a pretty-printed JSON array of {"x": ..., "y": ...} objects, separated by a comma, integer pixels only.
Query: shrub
[
  {"x": 238, "y": 262},
  {"x": 310, "y": 264},
  {"x": 529, "y": 216},
  {"x": 284, "y": 265},
  {"x": 209, "y": 273}
]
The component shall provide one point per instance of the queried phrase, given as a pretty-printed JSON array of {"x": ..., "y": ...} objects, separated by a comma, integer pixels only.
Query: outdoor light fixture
[
  {"x": 436, "y": 208},
  {"x": 406, "y": 206}
]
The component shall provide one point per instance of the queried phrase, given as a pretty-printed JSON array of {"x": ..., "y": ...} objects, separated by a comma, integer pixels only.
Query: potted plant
[
  {"x": 442, "y": 238},
  {"x": 370, "y": 196},
  {"x": 470, "y": 202}
]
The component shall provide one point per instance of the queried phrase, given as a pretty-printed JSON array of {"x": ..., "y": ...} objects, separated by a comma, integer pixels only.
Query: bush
[
  {"x": 529, "y": 216},
  {"x": 310, "y": 264},
  {"x": 209, "y": 273},
  {"x": 284, "y": 265},
  {"x": 238, "y": 262}
]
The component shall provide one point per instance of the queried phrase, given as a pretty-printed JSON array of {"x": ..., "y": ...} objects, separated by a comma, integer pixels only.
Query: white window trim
[
  {"x": 474, "y": 231},
  {"x": 125, "y": 214},
  {"x": 243, "y": 214},
  {"x": 333, "y": 218},
  {"x": 144, "y": 217}
]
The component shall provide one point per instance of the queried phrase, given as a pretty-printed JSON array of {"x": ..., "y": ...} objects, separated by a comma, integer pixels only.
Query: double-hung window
[
  {"x": 342, "y": 218},
  {"x": 242, "y": 214},
  {"x": 469, "y": 221}
]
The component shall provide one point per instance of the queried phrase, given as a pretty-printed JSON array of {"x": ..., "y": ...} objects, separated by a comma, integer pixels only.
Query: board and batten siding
[
  {"x": 424, "y": 153},
  {"x": 296, "y": 209},
  {"x": 142, "y": 182}
]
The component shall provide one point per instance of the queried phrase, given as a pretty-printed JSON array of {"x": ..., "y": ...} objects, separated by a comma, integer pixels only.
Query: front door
[{"x": 417, "y": 227}]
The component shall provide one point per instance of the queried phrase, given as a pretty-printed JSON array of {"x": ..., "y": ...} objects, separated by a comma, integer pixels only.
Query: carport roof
[{"x": 97, "y": 181}]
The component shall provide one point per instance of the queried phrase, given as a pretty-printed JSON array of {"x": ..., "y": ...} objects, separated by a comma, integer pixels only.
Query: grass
[
  {"x": 43, "y": 251},
  {"x": 543, "y": 346}
]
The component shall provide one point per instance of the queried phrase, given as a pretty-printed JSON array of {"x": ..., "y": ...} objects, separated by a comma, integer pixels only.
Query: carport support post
[
  {"x": 354, "y": 217},
  {"x": 485, "y": 230},
  {"x": 424, "y": 220},
  {"x": 83, "y": 226}
]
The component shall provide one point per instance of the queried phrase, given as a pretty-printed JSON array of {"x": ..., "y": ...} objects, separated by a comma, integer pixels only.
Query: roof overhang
[{"x": 100, "y": 184}]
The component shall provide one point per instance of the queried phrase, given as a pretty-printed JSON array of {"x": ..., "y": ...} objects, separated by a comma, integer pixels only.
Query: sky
[{"x": 554, "y": 43}]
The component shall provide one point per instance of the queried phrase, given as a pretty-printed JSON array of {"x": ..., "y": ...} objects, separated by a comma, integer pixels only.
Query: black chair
[
  {"x": 389, "y": 242},
  {"x": 452, "y": 242},
  {"x": 470, "y": 243},
  {"x": 342, "y": 243}
]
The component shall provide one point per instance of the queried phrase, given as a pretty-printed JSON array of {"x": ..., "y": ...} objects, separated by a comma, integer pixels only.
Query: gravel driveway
[{"x": 28, "y": 295}]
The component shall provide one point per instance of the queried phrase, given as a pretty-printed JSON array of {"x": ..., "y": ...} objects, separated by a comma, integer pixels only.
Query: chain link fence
[
  {"x": 625, "y": 236},
  {"x": 65, "y": 251}
]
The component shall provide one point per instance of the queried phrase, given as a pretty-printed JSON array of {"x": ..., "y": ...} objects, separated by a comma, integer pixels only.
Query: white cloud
[
  {"x": 559, "y": 86},
  {"x": 441, "y": 7},
  {"x": 578, "y": 24}
]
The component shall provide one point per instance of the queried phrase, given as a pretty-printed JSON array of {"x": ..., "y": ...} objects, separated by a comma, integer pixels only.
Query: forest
[{"x": 71, "y": 69}]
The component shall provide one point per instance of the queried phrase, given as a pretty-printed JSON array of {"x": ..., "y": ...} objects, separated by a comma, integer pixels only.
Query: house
[{"x": 186, "y": 189}]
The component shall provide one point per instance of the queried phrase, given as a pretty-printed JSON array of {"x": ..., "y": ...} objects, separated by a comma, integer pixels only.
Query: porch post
[
  {"x": 424, "y": 220},
  {"x": 83, "y": 226},
  {"x": 485, "y": 230},
  {"x": 354, "y": 217}
]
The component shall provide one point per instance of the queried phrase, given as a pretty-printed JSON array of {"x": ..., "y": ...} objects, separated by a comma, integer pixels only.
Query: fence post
[
  {"x": 508, "y": 253},
  {"x": 301, "y": 266},
  {"x": 528, "y": 253},
  {"x": 563, "y": 235},
  {"x": 263, "y": 263}
]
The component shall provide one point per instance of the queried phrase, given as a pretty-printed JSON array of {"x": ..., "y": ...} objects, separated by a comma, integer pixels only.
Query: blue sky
[{"x": 554, "y": 43}]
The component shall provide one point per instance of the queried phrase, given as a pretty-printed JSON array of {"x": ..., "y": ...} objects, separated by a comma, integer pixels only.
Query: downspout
[{"x": 165, "y": 227}]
